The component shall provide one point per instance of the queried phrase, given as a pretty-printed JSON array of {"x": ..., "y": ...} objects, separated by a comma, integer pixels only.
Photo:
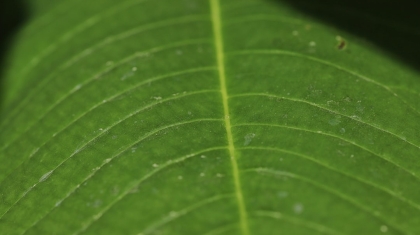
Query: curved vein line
[
  {"x": 183, "y": 212},
  {"x": 142, "y": 109},
  {"x": 86, "y": 179},
  {"x": 104, "y": 72},
  {"x": 75, "y": 31},
  {"x": 338, "y": 194},
  {"x": 137, "y": 30},
  {"x": 405, "y": 89},
  {"x": 334, "y": 136},
  {"x": 219, "y": 50},
  {"x": 93, "y": 139},
  {"x": 46, "y": 19},
  {"x": 325, "y": 109},
  {"x": 88, "y": 51},
  {"x": 295, "y": 220},
  {"x": 43, "y": 20},
  {"x": 361, "y": 180},
  {"x": 134, "y": 185},
  {"x": 325, "y": 62}
]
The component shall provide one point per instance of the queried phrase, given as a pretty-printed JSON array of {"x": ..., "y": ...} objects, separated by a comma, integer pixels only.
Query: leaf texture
[{"x": 204, "y": 117}]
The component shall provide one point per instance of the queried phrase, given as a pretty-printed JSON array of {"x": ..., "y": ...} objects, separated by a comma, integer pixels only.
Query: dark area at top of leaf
[
  {"x": 390, "y": 25},
  {"x": 12, "y": 15}
]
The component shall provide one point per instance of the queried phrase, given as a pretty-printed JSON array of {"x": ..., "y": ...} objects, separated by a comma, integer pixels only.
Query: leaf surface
[{"x": 205, "y": 117}]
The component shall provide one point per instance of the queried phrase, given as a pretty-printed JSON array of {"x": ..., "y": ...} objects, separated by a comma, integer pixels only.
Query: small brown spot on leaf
[{"x": 342, "y": 44}]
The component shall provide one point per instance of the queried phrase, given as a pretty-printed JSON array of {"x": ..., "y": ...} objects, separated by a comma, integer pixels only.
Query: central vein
[{"x": 217, "y": 31}]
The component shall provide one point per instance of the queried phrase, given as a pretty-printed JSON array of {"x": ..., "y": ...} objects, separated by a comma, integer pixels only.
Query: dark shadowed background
[
  {"x": 393, "y": 25},
  {"x": 13, "y": 14}
]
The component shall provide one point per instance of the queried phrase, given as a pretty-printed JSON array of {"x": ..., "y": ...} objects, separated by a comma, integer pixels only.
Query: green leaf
[{"x": 205, "y": 117}]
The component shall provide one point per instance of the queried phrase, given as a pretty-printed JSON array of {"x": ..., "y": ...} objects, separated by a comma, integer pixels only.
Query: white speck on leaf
[
  {"x": 295, "y": 33},
  {"x": 58, "y": 203},
  {"x": 77, "y": 87},
  {"x": 33, "y": 152},
  {"x": 28, "y": 190},
  {"x": 334, "y": 122},
  {"x": 312, "y": 44},
  {"x": 143, "y": 54},
  {"x": 298, "y": 208},
  {"x": 180, "y": 177},
  {"x": 248, "y": 138},
  {"x": 332, "y": 102},
  {"x": 127, "y": 75},
  {"x": 45, "y": 176},
  {"x": 155, "y": 165},
  {"x": 202, "y": 156},
  {"x": 384, "y": 228}
]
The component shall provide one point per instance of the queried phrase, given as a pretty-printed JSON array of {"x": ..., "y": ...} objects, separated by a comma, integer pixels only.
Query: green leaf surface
[{"x": 204, "y": 117}]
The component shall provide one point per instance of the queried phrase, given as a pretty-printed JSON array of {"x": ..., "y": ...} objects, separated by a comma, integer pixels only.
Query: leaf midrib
[{"x": 218, "y": 41}]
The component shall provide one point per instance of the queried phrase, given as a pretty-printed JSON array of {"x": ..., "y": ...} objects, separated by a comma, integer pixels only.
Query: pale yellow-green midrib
[{"x": 218, "y": 40}]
